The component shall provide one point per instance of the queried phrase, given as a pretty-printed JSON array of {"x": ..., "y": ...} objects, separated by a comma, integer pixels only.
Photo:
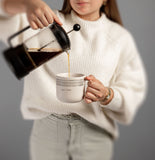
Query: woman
[{"x": 102, "y": 50}]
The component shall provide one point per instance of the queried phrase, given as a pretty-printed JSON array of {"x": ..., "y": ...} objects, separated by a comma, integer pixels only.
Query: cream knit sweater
[{"x": 101, "y": 48}]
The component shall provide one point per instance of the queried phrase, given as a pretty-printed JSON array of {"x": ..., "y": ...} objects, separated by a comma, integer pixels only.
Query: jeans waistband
[
  {"x": 67, "y": 116},
  {"x": 74, "y": 116}
]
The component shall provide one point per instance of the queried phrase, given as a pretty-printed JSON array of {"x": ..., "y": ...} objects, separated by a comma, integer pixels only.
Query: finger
[
  {"x": 39, "y": 24},
  {"x": 91, "y": 96},
  {"x": 33, "y": 25},
  {"x": 97, "y": 93},
  {"x": 43, "y": 20},
  {"x": 88, "y": 100},
  {"x": 40, "y": 15},
  {"x": 49, "y": 17},
  {"x": 56, "y": 18},
  {"x": 90, "y": 77},
  {"x": 94, "y": 85}
]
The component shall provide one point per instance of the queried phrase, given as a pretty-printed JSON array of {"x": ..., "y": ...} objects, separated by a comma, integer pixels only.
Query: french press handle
[{"x": 16, "y": 34}]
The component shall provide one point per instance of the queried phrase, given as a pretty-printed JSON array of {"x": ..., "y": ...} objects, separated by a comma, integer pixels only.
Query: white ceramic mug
[{"x": 70, "y": 89}]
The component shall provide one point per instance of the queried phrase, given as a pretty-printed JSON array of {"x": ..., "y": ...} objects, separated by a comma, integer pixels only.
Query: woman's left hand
[{"x": 95, "y": 91}]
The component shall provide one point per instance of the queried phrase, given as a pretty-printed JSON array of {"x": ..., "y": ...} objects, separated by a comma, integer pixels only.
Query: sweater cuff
[
  {"x": 116, "y": 102},
  {"x": 2, "y": 11}
]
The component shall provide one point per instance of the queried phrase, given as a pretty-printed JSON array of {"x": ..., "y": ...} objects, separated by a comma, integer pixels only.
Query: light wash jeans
[{"x": 69, "y": 137}]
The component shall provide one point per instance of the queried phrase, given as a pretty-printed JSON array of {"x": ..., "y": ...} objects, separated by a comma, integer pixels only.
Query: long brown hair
[{"x": 110, "y": 9}]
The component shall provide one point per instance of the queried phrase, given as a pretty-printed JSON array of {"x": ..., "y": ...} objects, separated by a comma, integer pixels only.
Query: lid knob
[{"x": 76, "y": 27}]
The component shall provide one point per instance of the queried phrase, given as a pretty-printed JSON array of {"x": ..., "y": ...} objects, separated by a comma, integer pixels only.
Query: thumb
[{"x": 87, "y": 78}]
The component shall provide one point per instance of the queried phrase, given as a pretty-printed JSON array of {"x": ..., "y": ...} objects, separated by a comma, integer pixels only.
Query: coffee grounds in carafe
[{"x": 40, "y": 57}]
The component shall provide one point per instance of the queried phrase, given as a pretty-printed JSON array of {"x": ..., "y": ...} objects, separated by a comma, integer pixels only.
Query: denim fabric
[{"x": 69, "y": 137}]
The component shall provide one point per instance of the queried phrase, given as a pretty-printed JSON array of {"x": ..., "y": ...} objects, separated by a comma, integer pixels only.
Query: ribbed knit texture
[{"x": 101, "y": 48}]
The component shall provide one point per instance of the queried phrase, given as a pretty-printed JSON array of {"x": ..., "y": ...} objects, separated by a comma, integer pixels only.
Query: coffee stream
[
  {"x": 39, "y": 57},
  {"x": 68, "y": 64}
]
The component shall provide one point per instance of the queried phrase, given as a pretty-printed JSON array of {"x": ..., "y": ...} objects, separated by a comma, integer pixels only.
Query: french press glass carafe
[{"x": 49, "y": 42}]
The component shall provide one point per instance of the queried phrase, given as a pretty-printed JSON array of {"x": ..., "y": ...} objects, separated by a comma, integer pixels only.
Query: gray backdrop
[{"x": 136, "y": 141}]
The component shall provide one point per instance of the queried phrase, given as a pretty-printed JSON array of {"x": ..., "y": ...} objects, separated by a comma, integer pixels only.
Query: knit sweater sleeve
[
  {"x": 129, "y": 84},
  {"x": 9, "y": 24}
]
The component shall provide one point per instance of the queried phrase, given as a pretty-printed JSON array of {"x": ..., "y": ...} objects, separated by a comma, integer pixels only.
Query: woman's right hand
[{"x": 39, "y": 14}]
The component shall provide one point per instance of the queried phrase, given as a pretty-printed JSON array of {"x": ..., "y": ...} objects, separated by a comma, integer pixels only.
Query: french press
[{"x": 49, "y": 42}]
